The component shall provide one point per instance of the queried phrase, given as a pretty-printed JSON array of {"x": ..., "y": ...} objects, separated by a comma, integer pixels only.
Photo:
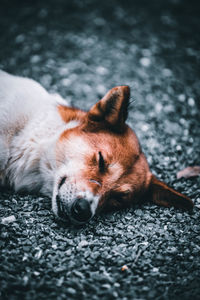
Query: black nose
[{"x": 81, "y": 211}]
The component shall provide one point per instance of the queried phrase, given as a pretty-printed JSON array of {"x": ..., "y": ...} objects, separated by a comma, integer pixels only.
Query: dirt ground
[{"x": 81, "y": 49}]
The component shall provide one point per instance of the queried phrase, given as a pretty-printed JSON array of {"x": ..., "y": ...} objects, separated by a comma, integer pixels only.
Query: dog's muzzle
[{"x": 79, "y": 212}]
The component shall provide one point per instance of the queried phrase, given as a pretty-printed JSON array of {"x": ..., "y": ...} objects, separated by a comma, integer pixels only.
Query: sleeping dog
[{"x": 85, "y": 161}]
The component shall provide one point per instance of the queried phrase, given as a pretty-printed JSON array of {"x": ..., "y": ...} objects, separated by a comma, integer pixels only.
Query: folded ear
[
  {"x": 112, "y": 109},
  {"x": 162, "y": 194}
]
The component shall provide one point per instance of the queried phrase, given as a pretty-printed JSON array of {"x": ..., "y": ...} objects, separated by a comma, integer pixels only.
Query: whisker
[{"x": 131, "y": 102}]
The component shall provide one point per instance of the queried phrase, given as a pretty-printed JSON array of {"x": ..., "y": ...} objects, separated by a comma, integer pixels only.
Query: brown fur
[{"x": 126, "y": 176}]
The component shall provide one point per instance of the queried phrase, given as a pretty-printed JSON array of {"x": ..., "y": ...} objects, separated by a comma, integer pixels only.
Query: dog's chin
[{"x": 63, "y": 209}]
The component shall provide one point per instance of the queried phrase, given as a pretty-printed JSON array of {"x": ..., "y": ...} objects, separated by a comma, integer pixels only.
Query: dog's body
[
  {"x": 85, "y": 161},
  {"x": 29, "y": 126}
]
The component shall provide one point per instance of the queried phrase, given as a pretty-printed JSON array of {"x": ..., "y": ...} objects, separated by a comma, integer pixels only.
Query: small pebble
[
  {"x": 101, "y": 70},
  {"x": 35, "y": 59},
  {"x": 145, "y": 127},
  {"x": 71, "y": 291},
  {"x": 20, "y": 39},
  {"x": 38, "y": 254},
  {"x": 167, "y": 72},
  {"x": 60, "y": 281},
  {"x": 83, "y": 243},
  {"x": 181, "y": 97},
  {"x": 54, "y": 246},
  {"x": 25, "y": 280},
  {"x": 124, "y": 268},
  {"x": 145, "y": 61},
  {"x": 26, "y": 248},
  {"x": 8, "y": 220},
  {"x": 191, "y": 102},
  {"x": 155, "y": 270},
  {"x": 68, "y": 252},
  {"x": 178, "y": 148},
  {"x": 66, "y": 82},
  {"x": 145, "y": 288},
  {"x": 158, "y": 107},
  {"x": 106, "y": 286}
]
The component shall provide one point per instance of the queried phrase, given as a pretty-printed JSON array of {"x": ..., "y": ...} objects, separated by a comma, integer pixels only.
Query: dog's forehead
[
  {"x": 78, "y": 143},
  {"x": 121, "y": 148},
  {"x": 113, "y": 142}
]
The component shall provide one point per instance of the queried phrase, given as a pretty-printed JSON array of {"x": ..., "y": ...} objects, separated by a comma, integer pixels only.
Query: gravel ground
[{"x": 81, "y": 49}]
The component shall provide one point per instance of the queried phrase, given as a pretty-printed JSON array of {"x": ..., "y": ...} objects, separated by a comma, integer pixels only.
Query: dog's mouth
[
  {"x": 62, "y": 181},
  {"x": 61, "y": 209},
  {"x": 71, "y": 203},
  {"x": 78, "y": 213}
]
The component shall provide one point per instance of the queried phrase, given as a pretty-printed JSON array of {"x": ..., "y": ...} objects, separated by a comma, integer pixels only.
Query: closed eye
[
  {"x": 101, "y": 163},
  {"x": 94, "y": 181}
]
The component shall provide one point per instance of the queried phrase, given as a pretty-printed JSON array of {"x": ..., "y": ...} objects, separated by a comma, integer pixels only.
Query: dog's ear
[
  {"x": 112, "y": 109},
  {"x": 162, "y": 194}
]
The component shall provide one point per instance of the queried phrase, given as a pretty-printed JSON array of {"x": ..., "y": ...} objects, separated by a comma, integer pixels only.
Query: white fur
[
  {"x": 30, "y": 126},
  {"x": 72, "y": 168}
]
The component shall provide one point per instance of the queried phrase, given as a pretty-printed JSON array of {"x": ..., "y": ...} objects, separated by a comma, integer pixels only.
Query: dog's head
[{"x": 100, "y": 164}]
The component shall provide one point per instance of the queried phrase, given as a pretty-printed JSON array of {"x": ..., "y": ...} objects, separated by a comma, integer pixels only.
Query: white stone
[
  {"x": 191, "y": 102},
  {"x": 145, "y": 61},
  {"x": 8, "y": 220}
]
